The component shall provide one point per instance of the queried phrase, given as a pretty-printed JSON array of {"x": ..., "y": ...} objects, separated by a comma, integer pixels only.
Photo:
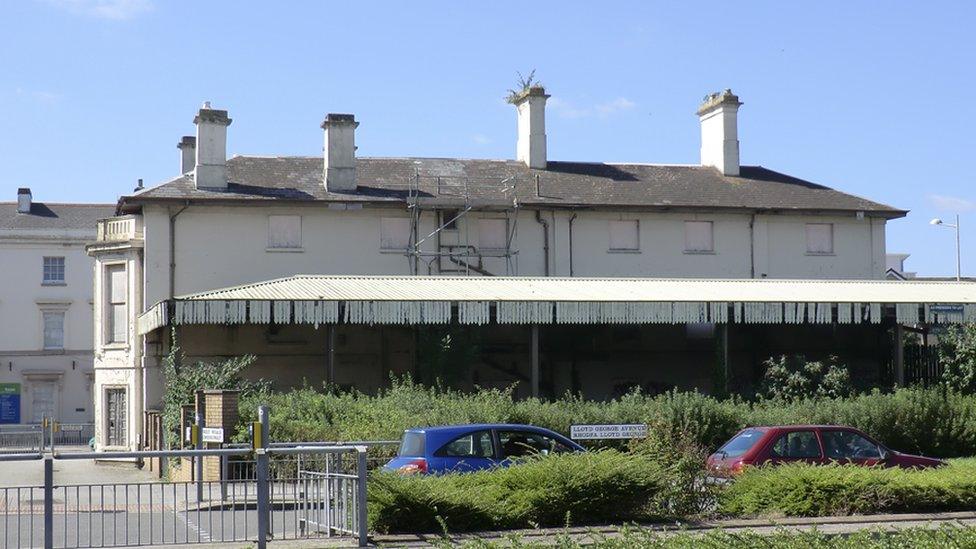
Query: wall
[{"x": 22, "y": 296}]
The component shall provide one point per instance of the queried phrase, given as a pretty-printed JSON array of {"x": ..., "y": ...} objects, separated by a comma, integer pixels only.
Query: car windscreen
[
  {"x": 412, "y": 444},
  {"x": 741, "y": 443}
]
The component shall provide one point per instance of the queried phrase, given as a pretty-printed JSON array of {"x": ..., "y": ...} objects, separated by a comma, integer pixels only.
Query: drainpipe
[
  {"x": 172, "y": 250},
  {"x": 571, "y": 219},
  {"x": 545, "y": 237},
  {"x": 752, "y": 246}
]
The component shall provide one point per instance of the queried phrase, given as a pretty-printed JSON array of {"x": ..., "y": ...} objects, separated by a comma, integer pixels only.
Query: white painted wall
[{"x": 23, "y": 297}]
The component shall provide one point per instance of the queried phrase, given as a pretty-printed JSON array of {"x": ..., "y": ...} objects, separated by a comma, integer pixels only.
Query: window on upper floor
[
  {"x": 492, "y": 234},
  {"x": 116, "y": 298},
  {"x": 53, "y": 270},
  {"x": 449, "y": 219},
  {"x": 625, "y": 236},
  {"x": 820, "y": 238},
  {"x": 699, "y": 237},
  {"x": 394, "y": 233},
  {"x": 284, "y": 232},
  {"x": 53, "y": 329}
]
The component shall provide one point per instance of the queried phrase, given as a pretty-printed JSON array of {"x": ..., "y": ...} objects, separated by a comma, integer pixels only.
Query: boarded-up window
[
  {"x": 116, "y": 292},
  {"x": 492, "y": 234},
  {"x": 698, "y": 236},
  {"x": 284, "y": 231},
  {"x": 624, "y": 235},
  {"x": 820, "y": 238},
  {"x": 394, "y": 233},
  {"x": 54, "y": 330}
]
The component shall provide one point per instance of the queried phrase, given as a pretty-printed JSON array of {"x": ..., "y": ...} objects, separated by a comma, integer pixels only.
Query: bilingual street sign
[
  {"x": 599, "y": 432},
  {"x": 212, "y": 434},
  {"x": 9, "y": 402}
]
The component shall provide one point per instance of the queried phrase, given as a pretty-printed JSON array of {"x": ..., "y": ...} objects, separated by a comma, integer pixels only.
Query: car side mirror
[{"x": 885, "y": 454}]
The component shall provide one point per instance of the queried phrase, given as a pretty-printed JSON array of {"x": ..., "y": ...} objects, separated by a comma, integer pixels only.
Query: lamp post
[{"x": 938, "y": 221}]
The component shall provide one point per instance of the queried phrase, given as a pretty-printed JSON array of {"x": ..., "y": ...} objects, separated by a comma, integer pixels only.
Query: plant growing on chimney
[{"x": 522, "y": 88}]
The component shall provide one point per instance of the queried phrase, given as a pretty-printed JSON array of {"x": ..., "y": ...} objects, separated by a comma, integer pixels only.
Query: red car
[{"x": 814, "y": 444}]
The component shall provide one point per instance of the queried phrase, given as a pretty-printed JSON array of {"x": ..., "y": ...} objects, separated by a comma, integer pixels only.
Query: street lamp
[{"x": 938, "y": 221}]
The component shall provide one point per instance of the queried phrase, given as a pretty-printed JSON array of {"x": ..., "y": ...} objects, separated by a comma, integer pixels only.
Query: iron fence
[
  {"x": 22, "y": 438},
  {"x": 45, "y": 436}
]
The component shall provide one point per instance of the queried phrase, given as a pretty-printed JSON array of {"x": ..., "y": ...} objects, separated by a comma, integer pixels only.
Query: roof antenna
[{"x": 138, "y": 186}]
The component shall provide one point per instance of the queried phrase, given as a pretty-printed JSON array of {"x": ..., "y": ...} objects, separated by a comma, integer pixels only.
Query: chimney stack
[
  {"x": 531, "y": 146},
  {"x": 188, "y": 153},
  {"x": 24, "y": 200},
  {"x": 719, "y": 114},
  {"x": 340, "y": 152},
  {"x": 210, "y": 170}
]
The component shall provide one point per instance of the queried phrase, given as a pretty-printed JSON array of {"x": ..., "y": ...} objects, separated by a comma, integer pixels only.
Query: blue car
[{"x": 463, "y": 448}]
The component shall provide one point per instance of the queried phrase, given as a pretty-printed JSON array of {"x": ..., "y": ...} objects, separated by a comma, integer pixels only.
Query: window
[
  {"x": 848, "y": 445},
  {"x": 525, "y": 443},
  {"x": 797, "y": 445},
  {"x": 115, "y": 417},
  {"x": 477, "y": 444},
  {"x": 741, "y": 443},
  {"x": 394, "y": 233},
  {"x": 624, "y": 236},
  {"x": 53, "y": 270},
  {"x": 116, "y": 293},
  {"x": 284, "y": 232},
  {"x": 53, "y": 329},
  {"x": 820, "y": 238},
  {"x": 698, "y": 236},
  {"x": 449, "y": 220},
  {"x": 492, "y": 234}
]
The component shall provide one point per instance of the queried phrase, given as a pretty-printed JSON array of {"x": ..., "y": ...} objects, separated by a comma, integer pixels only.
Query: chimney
[
  {"x": 23, "y": 200},
  {"x": 188, "y": 153},
  {"x": 531, "y": 146},
  {"x": 718, "y": 114},
  {"x": 210, "y": 170},
  {"x": 340, "y": 152}
]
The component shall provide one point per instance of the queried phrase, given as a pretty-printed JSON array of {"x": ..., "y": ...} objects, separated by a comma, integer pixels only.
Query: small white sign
[
  {"x": 597, "y": 432},
  {"x": 212, "y": 434},
  {"x": 71, "y": 428}
]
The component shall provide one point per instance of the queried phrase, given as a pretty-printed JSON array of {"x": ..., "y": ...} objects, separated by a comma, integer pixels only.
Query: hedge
[
  {"x": 926, "y": 421},
  {"x": 556, "y": 490},
  {"x": 805, "y": 490}
]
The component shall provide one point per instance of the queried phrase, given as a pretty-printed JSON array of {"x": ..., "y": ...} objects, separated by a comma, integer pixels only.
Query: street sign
[
  {"x": 946, "y": 308},
  {"x": 598, "y": 432},
  {"x": 72, "y": 428},
  {"x": 9, "y": 402},
  {"x": 213, "y": 434}
]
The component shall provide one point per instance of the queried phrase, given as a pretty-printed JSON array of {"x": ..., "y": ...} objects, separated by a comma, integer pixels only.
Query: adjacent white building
[
  {"x": 251, "y": 219},
  {"x": 46, "y": 292}
]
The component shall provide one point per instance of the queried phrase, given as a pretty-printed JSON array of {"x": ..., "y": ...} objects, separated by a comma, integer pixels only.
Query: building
[
  {"x": 490, "y": 272},
  {"x": 46, "y": 290}
]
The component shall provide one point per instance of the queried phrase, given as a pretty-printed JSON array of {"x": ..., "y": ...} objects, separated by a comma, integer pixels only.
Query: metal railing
[
  {"x": 312, "y": 501},
  {"x": 44, "y": 436}
]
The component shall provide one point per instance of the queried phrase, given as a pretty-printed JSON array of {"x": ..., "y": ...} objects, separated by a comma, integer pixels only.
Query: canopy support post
[
  {"x": 535, "y": 360},
  {"x": 899, "y": 369}
]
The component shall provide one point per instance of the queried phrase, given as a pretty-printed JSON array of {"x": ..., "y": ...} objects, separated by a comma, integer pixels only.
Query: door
[
  {"x": 796, "y": 446},
  {"x": 849, "y": 447},
  {"x": 44, "y": 401},
  {"x": 519, "y": 443},
  {"x": 115, "y": 420}
]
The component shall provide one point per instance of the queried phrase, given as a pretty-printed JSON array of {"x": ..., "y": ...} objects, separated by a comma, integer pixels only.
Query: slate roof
[
  {"x": 490, "y": 182},
  {"x": 54, "y": 216}
]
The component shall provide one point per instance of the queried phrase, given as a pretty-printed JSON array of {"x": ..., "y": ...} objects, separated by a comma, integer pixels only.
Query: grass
[{"x": 803, "y": 490}]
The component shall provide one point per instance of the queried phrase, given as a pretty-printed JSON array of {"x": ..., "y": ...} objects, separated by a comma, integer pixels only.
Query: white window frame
[
  {"x": 45, "y": 280},
  {"x": 689, "y": 249},
  {"x": 274, "y": 245},
  {"x": 391, "y": 227},
  {"x": 482, "y": 232},
  {"x": 810, "y": 241},
  {"x": 108, "y": 305},
  {"x": 619, "y": 224}
]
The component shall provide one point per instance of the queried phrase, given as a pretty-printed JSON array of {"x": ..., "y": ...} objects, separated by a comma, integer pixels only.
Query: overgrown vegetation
[
  {"x": 933, "y": 422},
  {"x": 805, "y": 490},
  {"x": 522, "y": 87},
  {"x": 555, "y": 490},
  {"x": 793, "y": 378},
  {"x": 957, "y": 356}
]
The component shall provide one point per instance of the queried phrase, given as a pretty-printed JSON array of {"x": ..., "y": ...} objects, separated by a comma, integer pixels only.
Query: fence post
[
  {"x": 198, "y": 460},
  {"x": 48, "y": 502},
  {"x": 361, "y": 496},
  {"x": 261, "y": 456}
]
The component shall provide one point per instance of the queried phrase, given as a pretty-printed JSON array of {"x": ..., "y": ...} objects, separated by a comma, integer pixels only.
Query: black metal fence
[{"x": 922, "y": 366}]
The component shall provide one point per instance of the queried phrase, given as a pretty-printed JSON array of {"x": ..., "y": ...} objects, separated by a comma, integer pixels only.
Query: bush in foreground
[
  {"x": 556, "y": 490},
  {"x": 804, "y": 490}
]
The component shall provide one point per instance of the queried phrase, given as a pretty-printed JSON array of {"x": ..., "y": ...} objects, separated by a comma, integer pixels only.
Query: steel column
[{"x": 535, "y": 360}]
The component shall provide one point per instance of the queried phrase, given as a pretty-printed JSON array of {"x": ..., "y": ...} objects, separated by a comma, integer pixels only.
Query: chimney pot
[
  {"x": 210, "y": 168},
  {"x": 718, "y": 114},
  {"x": 188, "y": 153},
  {"x": 339, "y": 171},
  {"x": 24, "y": 200},
  {"x": 531, "y": 145}
]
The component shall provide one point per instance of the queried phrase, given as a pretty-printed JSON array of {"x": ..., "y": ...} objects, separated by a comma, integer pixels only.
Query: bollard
[
  {"x": 48, "y": 502},
  {"x": 264, "y": 507}
]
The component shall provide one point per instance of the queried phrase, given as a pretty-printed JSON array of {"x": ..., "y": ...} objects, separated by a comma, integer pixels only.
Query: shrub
[
  {"x": 555, "y": 490},
  {"x": 957, "y": 356},
  {"x": 804, "y": 490},
  {"x": 794, "y": 378}
]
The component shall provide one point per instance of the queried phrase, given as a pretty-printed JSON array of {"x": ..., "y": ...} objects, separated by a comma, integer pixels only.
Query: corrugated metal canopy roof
[{"x": 526, "y": 289}]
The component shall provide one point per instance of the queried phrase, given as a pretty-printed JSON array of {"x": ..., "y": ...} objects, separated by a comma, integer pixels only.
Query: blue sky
[{"x": 876, "y": 99}]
